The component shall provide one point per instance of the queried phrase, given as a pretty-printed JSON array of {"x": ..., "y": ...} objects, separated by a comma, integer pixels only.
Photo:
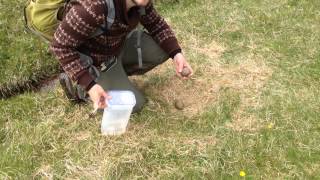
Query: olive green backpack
[{"x": 42, "y": 17}]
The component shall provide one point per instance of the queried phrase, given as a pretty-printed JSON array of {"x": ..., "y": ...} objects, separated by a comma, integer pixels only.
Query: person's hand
[
  {"x": 181, "y": 63},
  {"x": 98, "y": 97}
]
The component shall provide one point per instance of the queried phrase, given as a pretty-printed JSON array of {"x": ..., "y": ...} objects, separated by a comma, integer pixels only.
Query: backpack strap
[
  {"x": 142, "y": 11},
  {"x": 138, "y": 46},
  {"x": 111, "y": 13},
  {"x": 110, "y": 19}
]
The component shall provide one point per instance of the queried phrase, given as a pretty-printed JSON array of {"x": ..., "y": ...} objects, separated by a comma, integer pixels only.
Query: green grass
[
  {"x": 43, "y": 135},
  {"x": 24, "y": 58}
]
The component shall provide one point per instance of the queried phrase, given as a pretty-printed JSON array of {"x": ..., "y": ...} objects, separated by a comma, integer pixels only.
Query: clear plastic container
[{"x": 117, "y": 114}]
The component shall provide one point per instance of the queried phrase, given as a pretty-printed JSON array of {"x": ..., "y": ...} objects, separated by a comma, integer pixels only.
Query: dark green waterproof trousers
[{"x": 127, "y": 64}]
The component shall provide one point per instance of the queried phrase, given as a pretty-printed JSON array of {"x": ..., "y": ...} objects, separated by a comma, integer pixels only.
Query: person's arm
[
  {"x": 165, "y": 37},
  {"x": 79, "y": 23},
  {"x": 160, "y": 31}
]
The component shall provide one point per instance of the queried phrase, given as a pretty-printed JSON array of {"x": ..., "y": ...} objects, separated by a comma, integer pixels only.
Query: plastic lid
[{"x": 121, "y": 97}]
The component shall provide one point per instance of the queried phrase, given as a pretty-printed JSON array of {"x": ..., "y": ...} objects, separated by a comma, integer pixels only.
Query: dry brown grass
[
  {"x": 105, "y": 154},
  {"x": 247, "y": 78},
  {"x": 45, "y": 172}
]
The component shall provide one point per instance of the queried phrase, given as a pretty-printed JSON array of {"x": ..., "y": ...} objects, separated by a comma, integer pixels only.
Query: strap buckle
[
  {"x": 138, "y": 46},
  {"x": 109, "y": 63}
]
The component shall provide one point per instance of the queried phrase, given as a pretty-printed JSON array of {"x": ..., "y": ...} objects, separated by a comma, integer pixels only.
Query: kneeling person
[{"x": 119, "y": 52}]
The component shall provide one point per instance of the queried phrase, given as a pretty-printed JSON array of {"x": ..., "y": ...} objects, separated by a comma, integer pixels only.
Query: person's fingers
[
  {"x": 102, "y": 105},
  {"x": 106, "y": 98},
  {"x": 180, "y": 67},
  {"x": 178, "y": 74},
  {"x": 191, "y": 70},
  {"x": 99, "y": 104},
  {"x": 177, "y": 69},
  {"x": 176, "y": 66},
  {"x": 187, "y": 65},
  {"x": 106, "y": 95},
  {"x": 96, "y": 105},
  {"x": 100, "y": 101},
  {"x": 103, "y": 102}
]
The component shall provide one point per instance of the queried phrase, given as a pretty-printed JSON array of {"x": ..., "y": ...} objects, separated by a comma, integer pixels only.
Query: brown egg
[
  {"x": 178, "y": 104},
  {"x": 185, "y": 72}
]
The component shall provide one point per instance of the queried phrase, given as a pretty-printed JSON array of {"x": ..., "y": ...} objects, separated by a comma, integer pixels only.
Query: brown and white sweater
[{"x": 83, "y": 17}]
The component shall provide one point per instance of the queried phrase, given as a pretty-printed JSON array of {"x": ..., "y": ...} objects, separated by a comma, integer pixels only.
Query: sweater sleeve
[
  {"x": 78, "y": 24},
  {"x": 160, "y": 31}
]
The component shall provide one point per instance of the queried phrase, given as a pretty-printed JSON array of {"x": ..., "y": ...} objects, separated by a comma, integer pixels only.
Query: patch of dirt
[
  {"x": 199, "y": 143},
  {"x": 76, "y": 171},
  {"x": 212, "y": 50},
  {"x": 243, "y": 122},
  {"x": 49, "y": 84},
  {"x": 44, "y": 172},
  {"x": 82, "y": 136},
  {"x": 15, "y": 87},
  {"x": 248, "y": 78},
  {"x": 195, "y": 93}
]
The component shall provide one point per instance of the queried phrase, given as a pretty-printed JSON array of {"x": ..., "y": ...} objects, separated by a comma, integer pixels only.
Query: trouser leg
[
  {"x": 152, "y": 54},
  {"x": 116, "y": 78}
]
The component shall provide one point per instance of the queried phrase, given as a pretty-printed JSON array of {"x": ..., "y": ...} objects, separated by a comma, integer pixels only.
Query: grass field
[
  {"x": 253, "y": 104},
  {"x": 24, "y": 60}
]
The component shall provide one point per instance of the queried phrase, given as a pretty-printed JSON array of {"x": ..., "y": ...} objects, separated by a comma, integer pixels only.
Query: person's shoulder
[
  {"x": 149, "y": 5},
  {"x": 95, "y": 8},
  {"x": 150, "y": 8},
  {"x": 92, "y": 4}
]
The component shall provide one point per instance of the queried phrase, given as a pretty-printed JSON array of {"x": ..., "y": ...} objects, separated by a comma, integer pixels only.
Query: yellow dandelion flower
[
  {"x": 242, "y": 173},
  {"x": 270, "y": 125}
]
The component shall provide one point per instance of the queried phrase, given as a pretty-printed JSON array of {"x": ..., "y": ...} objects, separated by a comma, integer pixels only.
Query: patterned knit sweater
[{"x": 83, "y": 17}]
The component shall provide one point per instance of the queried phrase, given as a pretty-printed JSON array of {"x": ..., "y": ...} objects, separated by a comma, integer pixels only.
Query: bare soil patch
[{"x": 247, "y": 78}]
